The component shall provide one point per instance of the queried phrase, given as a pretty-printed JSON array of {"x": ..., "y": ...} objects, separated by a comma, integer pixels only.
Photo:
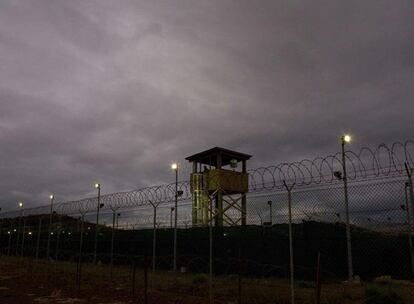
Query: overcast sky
[{"x": 113, "y": 91}]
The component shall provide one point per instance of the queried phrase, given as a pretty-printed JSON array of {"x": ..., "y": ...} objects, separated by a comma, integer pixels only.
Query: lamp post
[
  {"x": 174, "y": 167},
  {"x": 79, "y": 266},
  {"x": 98, "y": 187},
  {"x": 344, "y": 140},
  {"x": 271, "y": 213},
  {"x": 18, "y": 227},
  {"x": 51, "y": 199},
  {"x": 410, "y": 231}
]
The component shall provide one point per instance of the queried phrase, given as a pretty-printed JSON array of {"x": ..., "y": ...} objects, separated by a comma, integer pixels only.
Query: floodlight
[
  {"x": 174, "y": 166},
  {"x": 346, "y": 138}
]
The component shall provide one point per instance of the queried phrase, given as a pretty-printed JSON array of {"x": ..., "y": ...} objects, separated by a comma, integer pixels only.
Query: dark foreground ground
[{"x": 24, "y": 280}]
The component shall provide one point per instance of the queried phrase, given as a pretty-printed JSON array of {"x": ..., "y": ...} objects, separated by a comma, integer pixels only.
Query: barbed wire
[{"x": 383, "y": 161}]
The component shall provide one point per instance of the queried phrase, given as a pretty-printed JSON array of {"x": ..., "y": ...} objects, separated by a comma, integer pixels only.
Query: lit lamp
[
  {"x": 174, "y": 166},
  {"x": 346, "y": 138},
  {"x": 99, "y": 206},
  {"x": 18, "y": 228},
  {"x": 51, "y": 199}
]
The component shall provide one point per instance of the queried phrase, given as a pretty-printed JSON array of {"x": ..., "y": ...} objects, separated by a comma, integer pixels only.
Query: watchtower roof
[{"x": 209, "y": 157}]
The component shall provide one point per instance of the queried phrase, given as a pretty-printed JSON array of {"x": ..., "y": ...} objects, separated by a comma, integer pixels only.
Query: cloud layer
[{"x": 115, "y": 90}]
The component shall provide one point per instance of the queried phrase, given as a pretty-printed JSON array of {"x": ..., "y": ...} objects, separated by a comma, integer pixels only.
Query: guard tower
[{"x": 217, "y": 187}]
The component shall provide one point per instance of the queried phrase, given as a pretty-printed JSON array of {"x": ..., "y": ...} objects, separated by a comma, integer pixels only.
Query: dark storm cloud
[{"x": 116, "y": 90}]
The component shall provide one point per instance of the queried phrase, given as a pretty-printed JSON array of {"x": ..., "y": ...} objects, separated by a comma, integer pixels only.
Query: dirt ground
[{"x": 24, "y": 280}]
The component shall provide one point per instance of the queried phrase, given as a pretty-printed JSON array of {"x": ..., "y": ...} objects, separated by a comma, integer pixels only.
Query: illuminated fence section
[
  {"x": 377, "y": 205},
  {"x": 379, "y": 225}
]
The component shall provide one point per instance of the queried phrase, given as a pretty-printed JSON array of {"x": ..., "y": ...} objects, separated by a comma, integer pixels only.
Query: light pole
[
  {"x": 410, "y": 231},
  {"x": 18, "y": 227},
  {"x": 98, "y": 187},
  {"x": 174, "y": 167},
  {"x": 51, "y": 199},
  {"x": 344, "y": 140},
  {"x": 271, "y": 213},
  {"x": 79, "y": 266}
]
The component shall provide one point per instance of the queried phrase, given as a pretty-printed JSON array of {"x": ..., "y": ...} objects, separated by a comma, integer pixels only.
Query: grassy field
[{"x": 24, "y": 280}]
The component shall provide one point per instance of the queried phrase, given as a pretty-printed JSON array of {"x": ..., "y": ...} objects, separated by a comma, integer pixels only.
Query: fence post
[
  {"x": 134, "y": 271},
  {"x": 154, "y": 235},
  {"x": 210, "y": 229},
  {"x": 23, "y": 237},
  {"x": 292, "y": 278},
  {"x": 318, "y": 280},
  {"x": 145, "y": 279},
  {"x": 38, "y": 238},
  {"x": 59, "y": 230},
  {"x": 112, "y": 241},
  {"x": 79, "y": 268},
  {"x": 410, "y": 185},
  {"x": 239, "y": 281}
]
